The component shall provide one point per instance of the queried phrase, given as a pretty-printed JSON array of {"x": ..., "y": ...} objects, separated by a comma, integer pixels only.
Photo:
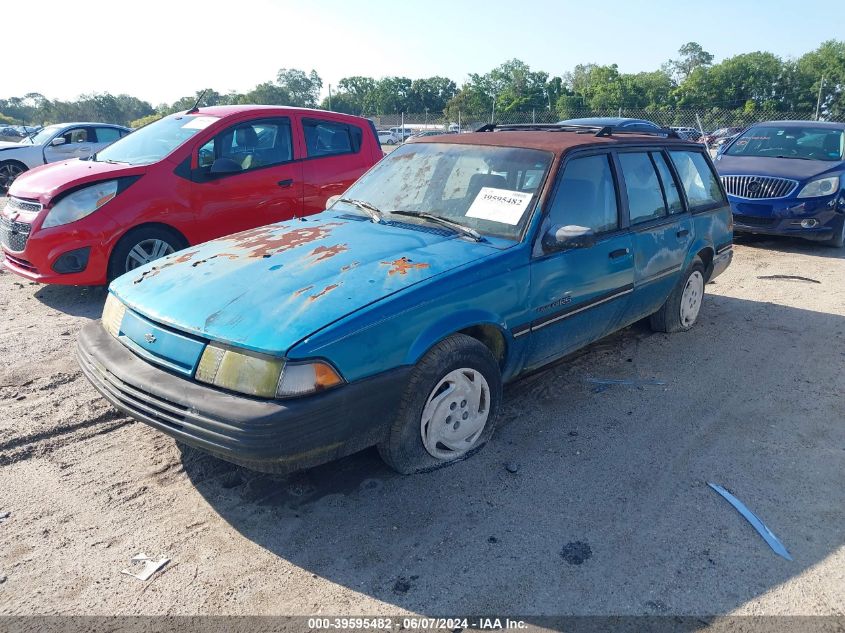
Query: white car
[
  {"x": 386, "y": 137},
  {"x": 55, "y": 143},
  {"x": 402, "y": 134}
]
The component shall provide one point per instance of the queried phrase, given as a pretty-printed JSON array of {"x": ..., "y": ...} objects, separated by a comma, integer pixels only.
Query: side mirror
[
  {"x": 330, "y": 202},
  {"x": 59, "y": 140},
  {"x": 558, "y": 238},
  {"x": 225, "y": 166}
]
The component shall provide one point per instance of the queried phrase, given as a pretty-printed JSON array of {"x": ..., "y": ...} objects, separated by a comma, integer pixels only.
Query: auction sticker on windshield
[
  {"x": 499, "y": 205},
  {"x": 200, "y": 122}
]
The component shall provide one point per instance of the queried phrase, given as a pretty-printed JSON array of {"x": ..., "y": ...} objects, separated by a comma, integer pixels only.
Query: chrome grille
[
  {"x": 13, "y": 235},
  {"x": 757, "y": 187},
  {"x": 19, "y": 204}
]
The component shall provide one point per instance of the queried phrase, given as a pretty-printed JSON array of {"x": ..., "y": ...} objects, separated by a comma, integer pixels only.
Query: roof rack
[{"x": 597, "y": 130}]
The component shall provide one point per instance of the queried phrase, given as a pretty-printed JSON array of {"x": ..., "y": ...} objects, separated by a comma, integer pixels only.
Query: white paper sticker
[
  {"x": 499, "y": 205},
  {"x": 200, "y": 122}
]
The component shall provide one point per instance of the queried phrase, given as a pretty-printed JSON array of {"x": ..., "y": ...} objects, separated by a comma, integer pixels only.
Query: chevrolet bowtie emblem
[{"x": 150, "y": 338}]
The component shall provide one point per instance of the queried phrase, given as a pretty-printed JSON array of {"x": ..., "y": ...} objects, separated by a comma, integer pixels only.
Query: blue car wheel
[{"x": 449, "y": 408}]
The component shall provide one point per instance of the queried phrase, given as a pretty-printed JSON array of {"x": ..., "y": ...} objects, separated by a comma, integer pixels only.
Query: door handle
[
  {"x": 619, "y": 252},
  {"x": 286, "y": 183},
  {"x": 683, "y": 233}
]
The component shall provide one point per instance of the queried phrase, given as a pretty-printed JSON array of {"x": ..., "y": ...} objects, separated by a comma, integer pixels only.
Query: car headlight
[
  {"x": 261, "y": 375},
  {"x": 80, "y": 203},
  {"x": 113, "y": 313},
  {"x": 820, "y": 187}
]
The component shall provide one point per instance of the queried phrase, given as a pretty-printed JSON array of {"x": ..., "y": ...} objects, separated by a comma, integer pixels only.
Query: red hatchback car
[{"x": 187, "y": 178}]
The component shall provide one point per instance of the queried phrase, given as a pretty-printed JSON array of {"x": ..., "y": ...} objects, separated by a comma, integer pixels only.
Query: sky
[{"x": 160, "y": 51}]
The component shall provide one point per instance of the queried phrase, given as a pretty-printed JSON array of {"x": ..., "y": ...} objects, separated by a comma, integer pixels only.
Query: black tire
[
  {"x": 403, "y": 449},
  {"x": 9, "y": 170},
  {"x": 837, "y": 240},
  {"x": 668, "y": 317},
  {"x": 118, "y": 264}
]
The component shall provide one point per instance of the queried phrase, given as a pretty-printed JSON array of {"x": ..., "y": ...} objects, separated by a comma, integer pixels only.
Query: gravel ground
[{"x": 608, "y": 511}]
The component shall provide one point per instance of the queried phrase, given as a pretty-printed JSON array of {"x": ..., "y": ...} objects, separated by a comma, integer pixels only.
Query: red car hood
[{"x": 47, "y": 181}]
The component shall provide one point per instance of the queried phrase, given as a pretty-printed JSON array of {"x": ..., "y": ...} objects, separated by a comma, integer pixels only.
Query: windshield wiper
[
  {"x": 373, "y": 211},
  {"x": 459, "y": 228},
  {"x": 798, "y": 157}
]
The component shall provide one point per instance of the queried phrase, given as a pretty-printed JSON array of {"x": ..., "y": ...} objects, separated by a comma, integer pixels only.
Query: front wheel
[
  {"x": 9, "y": 170},
  {"x": 681, "y": 310},
  {"x": 449, "y": 407},
  {"x": 837, "y": 240},
  {"x": 142, "y": 246}
]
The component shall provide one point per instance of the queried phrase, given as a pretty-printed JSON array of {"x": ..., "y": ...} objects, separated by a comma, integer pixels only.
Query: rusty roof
[{"x": 553, "y": 141}]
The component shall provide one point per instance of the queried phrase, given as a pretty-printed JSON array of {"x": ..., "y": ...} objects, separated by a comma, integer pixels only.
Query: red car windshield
[{"x": 153, "y": 142}]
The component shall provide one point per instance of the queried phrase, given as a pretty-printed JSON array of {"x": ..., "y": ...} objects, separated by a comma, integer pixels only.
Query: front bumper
[
  {"x": 265, "y": 435},
  {"x": 784, "y": 216}
]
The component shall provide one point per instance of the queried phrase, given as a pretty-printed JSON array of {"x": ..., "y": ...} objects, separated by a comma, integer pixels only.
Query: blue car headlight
[{"x": 821, "y": 187}]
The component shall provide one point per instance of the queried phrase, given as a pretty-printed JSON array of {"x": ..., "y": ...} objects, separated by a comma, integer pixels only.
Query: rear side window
[
  {"x": 698, "y": 180},
  {"x": 645, "y": 195},
  {"x": 327, "y": 138},
  {"x": 107, "y": 134},
  {"x": 586, "y": 195},
  {"x": 670, "y": 189}
]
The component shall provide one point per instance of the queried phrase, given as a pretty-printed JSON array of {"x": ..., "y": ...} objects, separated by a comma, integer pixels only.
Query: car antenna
[{"x": 196, "y": 107}]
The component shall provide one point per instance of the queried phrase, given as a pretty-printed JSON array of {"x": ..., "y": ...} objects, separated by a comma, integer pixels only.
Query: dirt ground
[{"x": 608, "y": 511}]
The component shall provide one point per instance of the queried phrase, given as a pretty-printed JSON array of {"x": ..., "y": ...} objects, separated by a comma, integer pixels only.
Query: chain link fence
[{"x": 705, "y": 119}]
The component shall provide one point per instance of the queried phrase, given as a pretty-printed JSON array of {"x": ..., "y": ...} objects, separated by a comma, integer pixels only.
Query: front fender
[{"x": 448, "y": 325}]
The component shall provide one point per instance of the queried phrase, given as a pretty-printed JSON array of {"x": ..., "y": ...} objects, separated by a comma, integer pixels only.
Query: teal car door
[
  {"x": 579, "y": 294},
  {"x": 660, "y": 229}
]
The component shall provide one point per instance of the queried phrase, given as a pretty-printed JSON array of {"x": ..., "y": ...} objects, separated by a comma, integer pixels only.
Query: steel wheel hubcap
[
  {"x": 455, "y": 414},
  {"x": 691, "y": 298},
  {"x": 146, "y": 251}
]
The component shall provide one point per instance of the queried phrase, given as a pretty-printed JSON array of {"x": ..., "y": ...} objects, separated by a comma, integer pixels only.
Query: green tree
[
  {"x": 692, "y": 56},
  {"x": 827, "y": 61},
  {"x": 303, "y": 90}
]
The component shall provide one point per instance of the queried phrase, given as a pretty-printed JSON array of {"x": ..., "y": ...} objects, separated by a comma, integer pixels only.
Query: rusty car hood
[{"x": 268, "y": 288}]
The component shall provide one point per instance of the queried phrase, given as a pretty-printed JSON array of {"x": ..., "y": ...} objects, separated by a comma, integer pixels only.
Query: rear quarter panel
[{"x": 712, "y": 230}]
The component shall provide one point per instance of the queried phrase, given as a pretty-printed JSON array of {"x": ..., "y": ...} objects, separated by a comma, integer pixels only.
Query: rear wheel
[
  {"x": 142, "y": 246},
  {"x": 681, "y": 310},
  {"x": 9, "y": 170},
  {"x": 449, "y": 408}
]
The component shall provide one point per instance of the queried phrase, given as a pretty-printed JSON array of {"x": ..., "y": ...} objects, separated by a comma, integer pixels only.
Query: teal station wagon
[{"x": 454, "y": 265}]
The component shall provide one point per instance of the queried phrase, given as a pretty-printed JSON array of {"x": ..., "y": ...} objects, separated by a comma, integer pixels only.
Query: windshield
[
  {"x": 45, "y": 134},
  {"x": 489, "y": 189},
  {"x": 153, "y": 142},
  {"x": 808, "y": 142}
]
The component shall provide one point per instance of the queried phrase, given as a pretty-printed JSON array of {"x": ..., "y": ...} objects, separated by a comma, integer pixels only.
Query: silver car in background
[{"x": 55, "y": 143}]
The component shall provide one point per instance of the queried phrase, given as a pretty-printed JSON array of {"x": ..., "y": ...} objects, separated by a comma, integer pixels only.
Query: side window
[
  {"x": 586, "y": 195},
  {"x": 645, "y": 196},
  {"x": 327, "y": 138},
  {"x": 671, "y": 195},
  {"x": 698, "y": 180},
  {"x": 107, "y": 134},
  {"x": 254, "y": 144},
  {"x": 76, "y": 135}
]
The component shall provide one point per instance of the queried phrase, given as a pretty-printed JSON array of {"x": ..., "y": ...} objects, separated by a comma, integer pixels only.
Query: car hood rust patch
[{"x": 268, "y": 288}]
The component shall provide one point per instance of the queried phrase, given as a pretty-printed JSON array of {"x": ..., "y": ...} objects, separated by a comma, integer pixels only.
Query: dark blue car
[{"x": 786, "y": 178}]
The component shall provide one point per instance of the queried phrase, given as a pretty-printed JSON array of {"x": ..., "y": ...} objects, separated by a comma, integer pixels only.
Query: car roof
[
  {"x": 607, "y": 120},
  {"x": 228, "y": 110},
  {"x": 820, "y": 124},
  {"x": 556, "y": 141},
  {"x": 88, "y": 123}
]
